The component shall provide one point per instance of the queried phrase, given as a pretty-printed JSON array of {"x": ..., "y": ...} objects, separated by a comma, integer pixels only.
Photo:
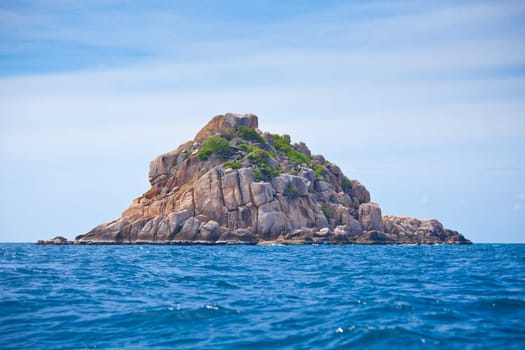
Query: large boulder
[
  {"x": 223, "y": 123},
  {"x": 262, "y": 193},
  {"x": 241, "y": 236},
  {"x": 374, "y": 237},
  {"x": 370, "y": 217},
  {"x": 246, "y": 178},
  {"x": 208, "y": 194},
  {"x": 359, "y": 192},
  {"x": 271, "y": 221},
  {"x": 209, "y": 231},
  {"x": 161, "y": 167},
  {"x": 189, "y": 230},
  {"x": 231, "y": 190},
  {"x": 290, "y": 185},
  {"x": 424, "y": 231},
  {"x": 58, "y": 240}
]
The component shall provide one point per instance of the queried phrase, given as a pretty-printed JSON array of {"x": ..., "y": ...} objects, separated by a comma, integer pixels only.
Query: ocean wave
[{"x": 293, "y": 297}]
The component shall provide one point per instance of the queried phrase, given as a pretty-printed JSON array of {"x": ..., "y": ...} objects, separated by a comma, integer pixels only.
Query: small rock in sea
[{"x": 58, "y": 240}]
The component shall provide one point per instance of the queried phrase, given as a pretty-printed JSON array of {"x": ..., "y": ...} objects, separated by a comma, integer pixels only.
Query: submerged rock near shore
[{"x": 235, "y": 184}]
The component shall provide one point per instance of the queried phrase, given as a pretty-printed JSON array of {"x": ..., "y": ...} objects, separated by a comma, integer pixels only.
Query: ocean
[{"x": 264, "y": 297}]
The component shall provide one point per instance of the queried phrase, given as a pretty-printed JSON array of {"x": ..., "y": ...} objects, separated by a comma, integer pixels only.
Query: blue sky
[{"x": 423, "y": 102}]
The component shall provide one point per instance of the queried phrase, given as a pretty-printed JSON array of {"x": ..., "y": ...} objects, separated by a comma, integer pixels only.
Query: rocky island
[{"x": 233, "y": 184}]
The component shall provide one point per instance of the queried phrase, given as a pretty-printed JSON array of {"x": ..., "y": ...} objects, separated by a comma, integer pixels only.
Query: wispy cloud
[{"x": 176, "y": 32}]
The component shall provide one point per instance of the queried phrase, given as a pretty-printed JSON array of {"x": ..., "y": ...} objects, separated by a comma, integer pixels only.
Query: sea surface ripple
[{"x": 272, "y": 297}]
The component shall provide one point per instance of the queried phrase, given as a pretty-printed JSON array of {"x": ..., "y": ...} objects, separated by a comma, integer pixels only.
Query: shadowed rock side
[{"x": 235, "y": 184}]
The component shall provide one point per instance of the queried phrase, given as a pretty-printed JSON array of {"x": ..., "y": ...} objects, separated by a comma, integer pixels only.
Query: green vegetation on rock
[
  {"x": 291, "y": 191},
  {"x": 347, "y": 184},
  {"x": 249, "y": 134},
  {"x": 319, "y": 169},
  {"x": 261, "y": 158},
  {"x": 265, "y": 172},
  {"x": 233, "y": 164},
  {"x": 297, "y": 157},
  {"x": 282, "y": 144},
  {"x": 214, "y": 145},
  {"x": 246, "y": 147},
  {"x": 258, "y": 155}
]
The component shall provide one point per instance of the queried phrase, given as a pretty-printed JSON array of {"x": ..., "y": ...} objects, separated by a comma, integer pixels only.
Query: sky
[{"x": 422, "y": 101}]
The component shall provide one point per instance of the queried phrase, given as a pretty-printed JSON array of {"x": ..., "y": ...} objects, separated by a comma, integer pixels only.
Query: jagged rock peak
[
  {"x": 227, "y": 121},
  {"x": 235, "y": 184}
]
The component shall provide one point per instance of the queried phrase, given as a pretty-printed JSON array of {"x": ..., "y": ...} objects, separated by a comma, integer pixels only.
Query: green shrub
[
  {"x": 268, "y": 172},
  {"x": 260, "y": 158},
  {"x": 233, "y": 164},
  {"x": 318, "y": 170},
  {"x": 293, "y": 172},
  {"x": 258, "y": 155},
  {"x": 265, "y": 172},
  {"x": 214, "y": 145},
  {"x": 258, "y": 174},
  {"x": 291, "y": 191},
  {"x": 297, "y": 157},
  {"x": 228, "y": 133},
  {"x": 246, "y": 147},
  {"x": 347, "y": 184},
  {"x": 249, "y": 134},
  {"x": 282, "y": 145}
]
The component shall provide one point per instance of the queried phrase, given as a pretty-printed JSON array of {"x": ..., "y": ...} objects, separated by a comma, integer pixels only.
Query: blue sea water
[{"x": 272, "y": 297}]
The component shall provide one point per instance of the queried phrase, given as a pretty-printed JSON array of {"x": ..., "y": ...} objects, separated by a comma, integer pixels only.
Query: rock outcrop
[
  {"x": 58, "y": 240},
  {"x": 236, "y": 184}
]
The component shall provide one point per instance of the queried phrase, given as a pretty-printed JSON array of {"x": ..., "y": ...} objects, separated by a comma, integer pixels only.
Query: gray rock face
[
  {"x": 262, "y": 193},
  {"x": 290, "y": 185},
  {"x": 272, "y": 224},
  {"x": 221, "y": 124},
  {"x": 246, "y": 178},
  {"x": 58, "y": 240},
  {"x": 303, "y": 148},
  {"x": 322, "y": 186},
  {"x": 231, "y": 191},
  {"x": 210, "y": 231},
  {"x": 300, "y": 211},
  {"x": 189, "y": 231},
  {"x": 359, "y": 192},
  {"x": 424, "y": 231},
  {"x": 160, "y": 167},
  {"x": 208, "y": 195},
  {"x": 234, "y": 120},
  {"x": 241, "y": 236},
  {"x": 176, "y": 219},
  {"x": 370, "y": 217},
  {"x": 265, "y": 193}
]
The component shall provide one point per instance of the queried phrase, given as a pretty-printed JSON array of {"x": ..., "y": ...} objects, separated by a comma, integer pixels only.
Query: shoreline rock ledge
[{"x": 233, "y": 184}]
